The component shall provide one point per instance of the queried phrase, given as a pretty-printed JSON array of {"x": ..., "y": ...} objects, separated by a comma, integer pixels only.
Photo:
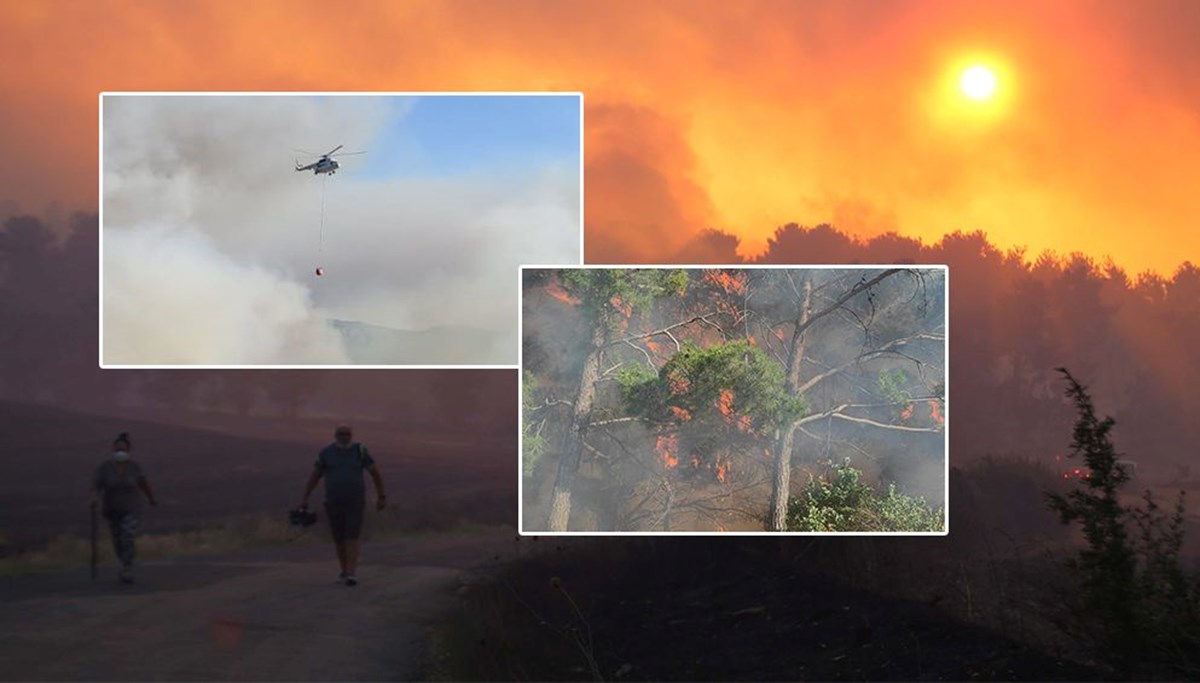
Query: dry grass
[{"x": 229, "y": 535}]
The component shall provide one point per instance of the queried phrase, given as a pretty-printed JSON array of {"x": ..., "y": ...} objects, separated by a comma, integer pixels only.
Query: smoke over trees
[
  {"x": 49, "y": 317},
  {"x": 1018, "y": 316},
  {"x": 691, "y": 406}
]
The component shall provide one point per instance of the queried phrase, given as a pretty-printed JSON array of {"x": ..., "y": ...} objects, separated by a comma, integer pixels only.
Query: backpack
[{"x": 358, "y": 450}]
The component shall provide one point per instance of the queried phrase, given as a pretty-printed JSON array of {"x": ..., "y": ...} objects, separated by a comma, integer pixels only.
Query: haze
[
  {"x": 211, "y": 239},
  {"x": 757, "y": 115}
]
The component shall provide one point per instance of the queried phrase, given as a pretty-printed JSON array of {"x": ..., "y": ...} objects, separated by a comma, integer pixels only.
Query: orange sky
[{"x": 734, "y": 115}]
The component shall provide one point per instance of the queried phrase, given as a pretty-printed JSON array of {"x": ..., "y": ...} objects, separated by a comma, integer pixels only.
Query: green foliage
[
  {"x": 691, "y": 386},
  {"x": 891, "y": 386},
  {"x": 533, "y": 444},
  {"x": 843, "y": 502},
  {"x": 615, "y": 293},
  {"x": 1146, "y": 605},
  {"x": 630, "y": 377}
]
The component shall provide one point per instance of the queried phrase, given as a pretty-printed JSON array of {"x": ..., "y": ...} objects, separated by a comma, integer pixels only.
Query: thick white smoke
[
  {"x": 207, "y": 182},
  {"x": 233, "y": 313}
]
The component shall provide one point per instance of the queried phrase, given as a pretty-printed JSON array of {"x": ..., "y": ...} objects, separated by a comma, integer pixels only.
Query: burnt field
[{"x": 207, "y": 468}]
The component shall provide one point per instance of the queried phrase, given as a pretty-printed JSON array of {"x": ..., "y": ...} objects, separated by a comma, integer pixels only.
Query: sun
[{"x": 978, "y": 83}]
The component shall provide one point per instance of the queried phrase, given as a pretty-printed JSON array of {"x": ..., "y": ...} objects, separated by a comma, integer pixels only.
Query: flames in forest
[
  {"x": 726, "y": 283},
  {"x": 625, "y": 309},
  {"x": 677, "y": 383},
  {"x": 725, "y": 405},
  {"x": 935, "y": 412},
  {"x": 556, "y": 290},
  {"x": 667, "y": 446},
  {"x": 731, "y": 283},
  {"x": 621, "y": 306},
  {"x": 654, "y": 347}
]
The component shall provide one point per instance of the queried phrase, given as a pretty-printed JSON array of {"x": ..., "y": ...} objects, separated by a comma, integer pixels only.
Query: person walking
[
  {"x": 341, "y": 464},
  {"x": 118, "y": 484}
]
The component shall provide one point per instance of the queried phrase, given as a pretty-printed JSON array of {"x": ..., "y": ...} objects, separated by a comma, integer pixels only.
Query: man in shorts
[{"x": 342, "y": 464}]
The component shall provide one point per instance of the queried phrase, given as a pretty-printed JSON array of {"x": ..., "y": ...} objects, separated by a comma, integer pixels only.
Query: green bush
[
  {"x": 533, "y": 443},
  {"x": 1143, "y": 603},
  {"x": 843, "y": 502},
  {"x": 694, "y": 379}
]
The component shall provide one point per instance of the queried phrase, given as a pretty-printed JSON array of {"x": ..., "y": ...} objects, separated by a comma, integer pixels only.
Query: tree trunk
[
  {"x": 781, "y": 482},
  {"x": 568, "y": 464}
]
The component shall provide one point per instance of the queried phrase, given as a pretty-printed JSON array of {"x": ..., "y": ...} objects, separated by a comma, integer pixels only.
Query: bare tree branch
[
  {"x": 647, "y": 335},
  {"x": 853, "y": 292},
  {"x": 839, "y": 413},
  {"x": 597, "y": 452},
  {"x": 840, "y": 442},
  {"x": 649, "y": 360},
  {"x": 678, "y": 346},
  {"x": 882, "y": 350},
  {"x": 549, "y": 403},
  {"x": 883, "y": 425},
  {"x": 615, "y": 420},
  {"x": 612, "y": 369}
]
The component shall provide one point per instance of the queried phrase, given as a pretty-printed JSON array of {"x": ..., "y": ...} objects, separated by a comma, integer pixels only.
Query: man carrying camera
[{"x": 342, "y": 464}]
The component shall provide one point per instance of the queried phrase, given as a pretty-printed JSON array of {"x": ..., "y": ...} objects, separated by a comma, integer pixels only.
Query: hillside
[
  {"x": 219, "y": 466},
  {"x": 451, "y": 345}
]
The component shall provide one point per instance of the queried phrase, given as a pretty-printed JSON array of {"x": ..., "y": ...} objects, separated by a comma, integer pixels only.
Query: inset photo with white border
[
  {"x": 329, "y": 229},
  {"x": 742, "y": 399}
]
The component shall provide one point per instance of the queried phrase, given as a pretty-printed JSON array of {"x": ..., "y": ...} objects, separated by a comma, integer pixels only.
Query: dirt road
[{"x": 268, "y": 614}]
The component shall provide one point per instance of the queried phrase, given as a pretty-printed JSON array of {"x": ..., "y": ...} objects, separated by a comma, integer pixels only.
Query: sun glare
[{"x": 978, "y": 83}]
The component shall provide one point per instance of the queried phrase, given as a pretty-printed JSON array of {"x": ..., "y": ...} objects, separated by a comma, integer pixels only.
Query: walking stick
[{"x": 94, "y": 532}]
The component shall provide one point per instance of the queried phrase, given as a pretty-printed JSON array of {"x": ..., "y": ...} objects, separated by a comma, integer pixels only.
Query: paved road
[{"x": 267, "y": 614}]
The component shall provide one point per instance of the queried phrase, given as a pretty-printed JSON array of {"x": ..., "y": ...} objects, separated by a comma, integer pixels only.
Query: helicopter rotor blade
[
  {"x": 333, "y": 150},
  {"x": 346, "y": 154}
]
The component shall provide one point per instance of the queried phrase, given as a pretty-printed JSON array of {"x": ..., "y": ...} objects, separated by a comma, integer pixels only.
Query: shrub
[
  {"x": 1145, "y": 606},
  {"x": 843, "y": 502}
]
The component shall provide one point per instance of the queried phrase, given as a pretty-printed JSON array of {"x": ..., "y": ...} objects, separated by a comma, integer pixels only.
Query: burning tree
[
  {"x": 712, "y": 405},
  {"x": 607, "y": 299},
  {"x": 822, "y": 324},
  {"x": 693, "y": 384}
]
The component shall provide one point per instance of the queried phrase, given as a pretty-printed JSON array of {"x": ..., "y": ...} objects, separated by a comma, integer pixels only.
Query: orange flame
[
  {"x": 935, "y": 411},
  {"x": 725, "y": 403},
  {"x": 732, "y": 284},
  {"x": 907, "y": 412},
  {"x": 666, "y": 444},
  {"x": 722, "y": 468},
  {"x": 555, "y": 289},
  {"x": 681, "y": 413},
  {"x": 622, "y": 307},
  {"x": 677, "y": 384}
]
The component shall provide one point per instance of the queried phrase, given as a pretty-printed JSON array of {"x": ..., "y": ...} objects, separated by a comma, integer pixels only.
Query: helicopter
[{"x": 326, "y": 163}]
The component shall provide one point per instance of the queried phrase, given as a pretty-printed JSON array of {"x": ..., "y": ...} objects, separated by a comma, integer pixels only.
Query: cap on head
[{"x": 122, "y": 440}]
